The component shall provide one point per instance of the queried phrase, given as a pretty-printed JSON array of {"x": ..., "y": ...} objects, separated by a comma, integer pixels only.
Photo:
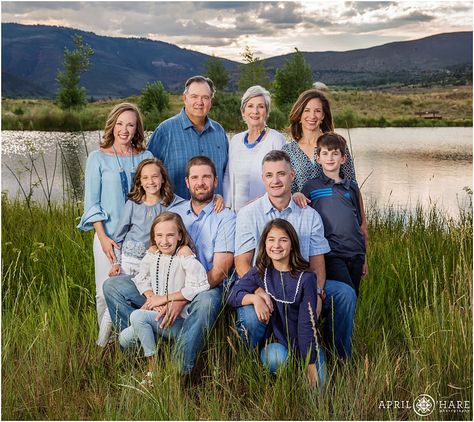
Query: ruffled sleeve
[
  {"x": 122, "y": 228},
  {"x": 143, "y": 279},
  {"x": 196, "y": 277},
  {"x": 93, "y": 211}
]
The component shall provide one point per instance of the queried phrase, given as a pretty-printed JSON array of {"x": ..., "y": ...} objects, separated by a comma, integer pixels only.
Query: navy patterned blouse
[{"x": 306, "y": 169}]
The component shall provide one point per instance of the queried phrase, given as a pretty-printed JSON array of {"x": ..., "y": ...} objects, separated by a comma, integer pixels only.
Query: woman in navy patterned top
[{"x": 288, "y": 303}]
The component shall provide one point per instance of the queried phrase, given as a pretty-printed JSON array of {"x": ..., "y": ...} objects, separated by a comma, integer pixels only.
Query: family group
[{"x": 192, "y": 222}]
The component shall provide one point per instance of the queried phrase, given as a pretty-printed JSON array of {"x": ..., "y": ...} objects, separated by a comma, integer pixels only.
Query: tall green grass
[{"x": 413, "y": 333}]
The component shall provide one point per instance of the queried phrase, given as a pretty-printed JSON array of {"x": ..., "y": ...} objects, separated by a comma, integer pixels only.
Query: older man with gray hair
[
  {"x": 242, "y": 180},
  {"x": 189, "y": 134}
]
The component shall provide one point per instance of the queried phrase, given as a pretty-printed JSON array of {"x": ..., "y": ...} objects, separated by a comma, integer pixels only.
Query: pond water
[{"x": 399, "y": 167}]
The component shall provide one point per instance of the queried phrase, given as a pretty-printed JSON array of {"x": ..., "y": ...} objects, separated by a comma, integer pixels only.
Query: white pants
[
  {"x": 102, "y": 268},
  {"x": 130, "y": 265}
]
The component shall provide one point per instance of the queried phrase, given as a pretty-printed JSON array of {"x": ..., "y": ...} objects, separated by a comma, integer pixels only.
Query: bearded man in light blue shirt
[
  {"x": 336, "y": 300},
  {"x": 214, "y": 236}
]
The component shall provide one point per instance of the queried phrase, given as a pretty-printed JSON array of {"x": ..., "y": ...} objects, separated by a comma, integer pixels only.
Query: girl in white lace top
[{"x": 168, "y": 272}]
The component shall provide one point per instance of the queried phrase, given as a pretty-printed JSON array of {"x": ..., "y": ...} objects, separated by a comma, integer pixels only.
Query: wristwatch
[{"x": 321, "y": 293}]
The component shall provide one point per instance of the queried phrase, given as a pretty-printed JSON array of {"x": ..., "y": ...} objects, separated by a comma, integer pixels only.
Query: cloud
[{"x": 224, "y": 28}]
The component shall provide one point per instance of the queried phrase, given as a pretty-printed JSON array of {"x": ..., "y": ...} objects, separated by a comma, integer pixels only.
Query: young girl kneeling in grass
[
  {"x": 168, "y": 272},
  {"x": 290, "y": 287}
]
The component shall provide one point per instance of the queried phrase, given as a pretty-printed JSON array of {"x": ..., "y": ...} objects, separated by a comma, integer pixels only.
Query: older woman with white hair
[{"x": 243, "y": 176}]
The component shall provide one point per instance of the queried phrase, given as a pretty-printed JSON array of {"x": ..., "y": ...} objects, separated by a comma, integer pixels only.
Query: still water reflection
[{"x": 397, "y": 166}]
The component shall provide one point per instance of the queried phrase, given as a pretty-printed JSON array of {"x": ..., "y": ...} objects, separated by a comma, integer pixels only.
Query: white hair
[{"x": 257, "y": 91}]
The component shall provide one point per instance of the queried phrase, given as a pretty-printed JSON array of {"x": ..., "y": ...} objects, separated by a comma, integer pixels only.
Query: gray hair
[
  {"x": 200, "y": 80},
  {"x": 276, "y": 155},
  {"x": 257, "y": 91}
]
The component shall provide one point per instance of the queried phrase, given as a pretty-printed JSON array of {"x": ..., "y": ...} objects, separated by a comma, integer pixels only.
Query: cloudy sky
[{"x": 269, "y": 28}]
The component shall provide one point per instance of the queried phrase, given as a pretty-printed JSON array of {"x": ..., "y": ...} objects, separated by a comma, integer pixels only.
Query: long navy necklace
[
  {"x": 167, "y": 275},
  {"x": 260, "y": 137}
]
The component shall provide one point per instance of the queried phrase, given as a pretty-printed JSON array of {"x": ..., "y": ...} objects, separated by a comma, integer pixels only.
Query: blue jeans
[
  {"x": 123, "y": 298},
  {"x": 145, "y": 327},
  {"x": 338, "y": 309},
  {"x": 275, "y": 355}
]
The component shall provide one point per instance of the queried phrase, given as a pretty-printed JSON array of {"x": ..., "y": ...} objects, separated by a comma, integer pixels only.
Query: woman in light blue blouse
[{"x": 109, "y": 176}]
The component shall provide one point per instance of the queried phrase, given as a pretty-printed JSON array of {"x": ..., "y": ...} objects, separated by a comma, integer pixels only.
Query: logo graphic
[{"x": 424, "y": 405}]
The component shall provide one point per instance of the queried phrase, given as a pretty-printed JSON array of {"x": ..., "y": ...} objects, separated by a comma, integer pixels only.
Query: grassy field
[
  {"x": 350, "y": 109},
  {"x": 413, "y": 334}
]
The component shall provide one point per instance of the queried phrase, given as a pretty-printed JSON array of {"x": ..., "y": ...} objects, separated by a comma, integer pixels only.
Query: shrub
[{"x": 154, "y": 98}]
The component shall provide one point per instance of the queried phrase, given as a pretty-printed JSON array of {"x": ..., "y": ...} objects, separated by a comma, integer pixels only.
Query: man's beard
[{"x": 202, "y": 198}]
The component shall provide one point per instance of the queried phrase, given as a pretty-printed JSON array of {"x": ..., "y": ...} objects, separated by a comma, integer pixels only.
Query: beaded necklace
[
  {"x": 246, "y": 139},
  {"x": 167, "y": 275},
  {"x": 281, "y": 300}
]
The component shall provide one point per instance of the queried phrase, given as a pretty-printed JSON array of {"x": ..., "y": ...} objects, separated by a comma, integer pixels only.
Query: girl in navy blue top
[{"x": 288, "y": 306}]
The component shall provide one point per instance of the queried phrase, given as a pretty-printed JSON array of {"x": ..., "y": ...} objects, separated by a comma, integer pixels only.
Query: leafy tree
[
  {"x": 216, "y": 70},
  {"x": 70, "y": 94},
  {"x": 252, "y": 72},
  {"x": 291, "y": 80},
  {"x": 154, "y": 98}
]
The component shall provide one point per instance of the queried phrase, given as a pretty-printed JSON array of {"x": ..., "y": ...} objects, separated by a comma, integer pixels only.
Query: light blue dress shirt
[
  {"x": 103, "y": 196},
  {"x": 252, "y": 218},
  {"x": 211, "y": 232},
  {"x": 175, "y": 141},
  {"x": 133, "y": 230}
]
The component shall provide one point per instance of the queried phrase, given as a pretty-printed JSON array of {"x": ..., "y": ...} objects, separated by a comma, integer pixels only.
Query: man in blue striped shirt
[{"x": 191, "y": 133}]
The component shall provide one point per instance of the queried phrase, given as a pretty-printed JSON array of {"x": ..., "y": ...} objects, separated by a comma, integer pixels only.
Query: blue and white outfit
[
  {"x": 212, "y": 233},
  {"x": 243, "y": 176},
  {"x": 107, "y": 179},
  {"x": 133, "y": 232},
  {"x": 163, "y": 274}
]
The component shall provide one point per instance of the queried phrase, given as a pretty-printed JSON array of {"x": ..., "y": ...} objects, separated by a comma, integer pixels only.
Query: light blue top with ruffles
[{"x": 103, "y": 196}]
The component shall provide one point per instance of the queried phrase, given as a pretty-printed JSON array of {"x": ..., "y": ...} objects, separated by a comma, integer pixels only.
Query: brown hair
[
  {"x": 172, "y": 216},
  {"x": 166, "y": 192},
  {"x": 297, "y": 262},
  {"x": 331, "y": 141},
  {"x": 201, "y": 160},
  {"x": 297, "y": 110},
  {"x": 138, "y": 141}
]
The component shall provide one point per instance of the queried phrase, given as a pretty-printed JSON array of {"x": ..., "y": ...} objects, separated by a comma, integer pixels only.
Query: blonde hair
[{"x": 138, "y": 141}]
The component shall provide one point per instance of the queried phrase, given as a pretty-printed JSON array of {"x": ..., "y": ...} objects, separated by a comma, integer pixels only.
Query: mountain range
[{"x": 32, "y": 55}]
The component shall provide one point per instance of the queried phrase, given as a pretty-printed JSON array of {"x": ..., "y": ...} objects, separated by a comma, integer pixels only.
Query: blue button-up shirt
[
  {"x": 211, "y": 232},
  {"x": 176, "y": 140},
  {"x": 251, "y": 221}
]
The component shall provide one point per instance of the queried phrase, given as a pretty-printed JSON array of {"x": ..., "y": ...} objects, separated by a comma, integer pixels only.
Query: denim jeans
[
  {"x": 123, "y": 298},
  {"x": 145, "y": 328},
  {"x": 338, "y": 309},
  {"x": 274, "y": 355}
]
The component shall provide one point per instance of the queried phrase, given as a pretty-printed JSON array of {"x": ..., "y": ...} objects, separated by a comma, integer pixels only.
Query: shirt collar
[
  {"x": 186, "y": 122},
  {"x": 268, "y": 206},
  {"x": 344, "y": 182},
  {"x": 206, "y": 210}
]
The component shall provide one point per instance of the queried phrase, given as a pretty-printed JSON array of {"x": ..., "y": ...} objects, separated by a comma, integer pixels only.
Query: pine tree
[
  {"x": 291, "y": 80},
  {"x": 252, "y": 72},
  {"x": 70, "y": 94},
  {"x": 216, "y": 71}
]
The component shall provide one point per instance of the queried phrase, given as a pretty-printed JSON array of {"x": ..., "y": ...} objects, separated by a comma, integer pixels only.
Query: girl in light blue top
[
  {"x": 150, "y": 196},
  {"x": 109, "y": 174}
]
